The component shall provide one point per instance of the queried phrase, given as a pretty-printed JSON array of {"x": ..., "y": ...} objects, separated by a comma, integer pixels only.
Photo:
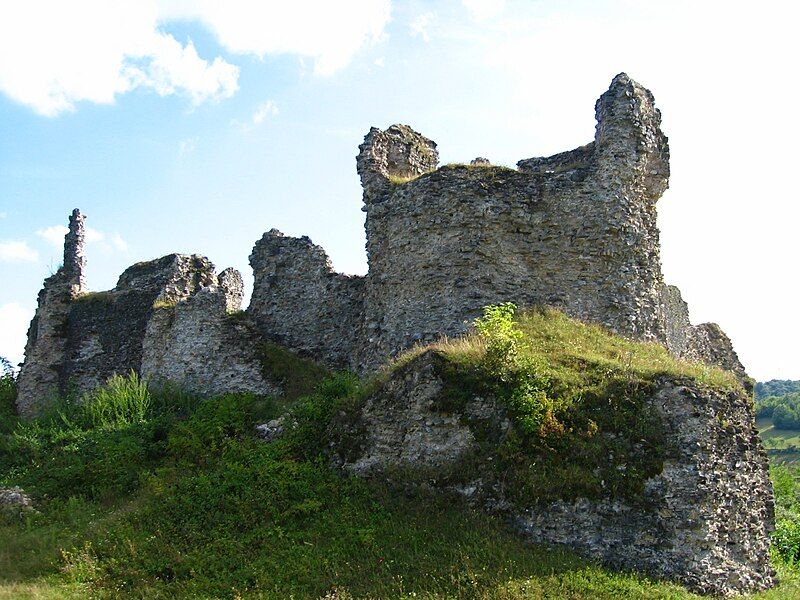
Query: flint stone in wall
[
  {"x": 200, "y": 345},
  {"x": 705, "y": 342},
  {"x": 45, "y": 351},
  {"x": 705, "y": 518},
  {"x": 301, "y": 303}
]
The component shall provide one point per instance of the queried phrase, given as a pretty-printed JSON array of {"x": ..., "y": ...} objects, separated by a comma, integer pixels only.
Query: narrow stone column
[
  {"x": 74, "y": 256},
  {"x": 45, "y": 353}
]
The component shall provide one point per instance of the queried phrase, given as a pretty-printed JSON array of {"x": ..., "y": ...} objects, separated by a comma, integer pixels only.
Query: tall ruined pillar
[
  {"x": 74, "y": 257},
  {"x": 632, "y": 172},
  {"x": 387, "y": 160},
  {"x": 45, "y": 352}
]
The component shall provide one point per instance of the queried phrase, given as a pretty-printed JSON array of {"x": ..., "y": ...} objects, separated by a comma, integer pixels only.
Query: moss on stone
[
  {"x": 297, "y": 375},
  {"x": 164, "y": 304},
  {"x": 96, "y": 297},
  {"x": 577, "y": 397}
]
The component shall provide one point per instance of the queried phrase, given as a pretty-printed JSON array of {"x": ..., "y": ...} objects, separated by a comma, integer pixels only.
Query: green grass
[
  {"x": 400, "y": 180},
  {"x": 105, "y": 297},
  {"x": 577, "y": 396},
  {"x": 168, "y": 496},
  {"x": 783, "y": 445},
  {"x": 220, "y": 515},
  {"x": 566, "y": 347},
  {"x": 297, "y": 375}
]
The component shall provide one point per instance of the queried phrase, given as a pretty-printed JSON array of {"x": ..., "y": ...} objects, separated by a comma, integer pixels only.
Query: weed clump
[{"x": 122, "y": 402}]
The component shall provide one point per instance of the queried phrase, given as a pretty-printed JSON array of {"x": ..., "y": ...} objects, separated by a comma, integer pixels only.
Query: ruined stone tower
[
  {"x": 576, "y": 230},
  {"x": 46, "y": 351}
]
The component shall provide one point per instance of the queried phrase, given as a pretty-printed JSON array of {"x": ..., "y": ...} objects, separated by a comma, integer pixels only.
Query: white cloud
[
  {"x": 419, "y": 26},
  {"x": 92, "y": 236},
  {"x": 330, "y": 33},
  {"x": 14, "y": 321},
  {"x": 15, "y": 251},
  {"x": 55, "y": 53},
  {"x": 54, "y": 235},
  {"x": 3, "y": 215},
  {"x": 268, "y": 109},
  {"x": 118, "y": 243},
  {"x": 187, "y": 146},
  {"x": 483, "y": 10}
]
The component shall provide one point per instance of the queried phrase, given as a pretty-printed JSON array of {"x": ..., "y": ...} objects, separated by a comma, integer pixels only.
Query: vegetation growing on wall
[
  {"x": 155, "y": 493},
  {"x": 187, "y": 503},
  {"x": 577, "y": 396}
]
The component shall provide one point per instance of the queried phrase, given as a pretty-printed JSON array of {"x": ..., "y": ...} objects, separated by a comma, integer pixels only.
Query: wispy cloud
[
  {"x": 94, "y": 51},
  {"x": 17, "y": 251},
  {"x": 117, "y": 242},
  {"x": 3, "y": 215},
  {"x": 419, "y": 26},
  {"x": 54, "y": 235},
  {"x": 267, "y": 109},
  {"x": 483, "y": 10}
]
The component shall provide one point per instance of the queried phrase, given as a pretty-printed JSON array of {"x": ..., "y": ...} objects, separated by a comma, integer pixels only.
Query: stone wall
[
  {"x": 40, "y": 378},
  {"x": 166, "y": 319},
  {"x": 301, "y": 303},
  {"x": 204, "y": 343},
  {"x": 705, "y": 342},
  {"x": 703, "y": 521},
  {"x": 707, "y": 516},
  {"x": 576, "y": 230},
  {"x": 106, "y": 330}
]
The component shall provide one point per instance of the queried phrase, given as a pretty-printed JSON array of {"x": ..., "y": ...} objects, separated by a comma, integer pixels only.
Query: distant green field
[{"x": 783, "y": 445}]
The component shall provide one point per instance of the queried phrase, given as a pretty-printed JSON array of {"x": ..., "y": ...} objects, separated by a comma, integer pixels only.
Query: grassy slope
[
  {"x": 783, "y": 445},
  {"x": 183, "y": 502},
  {"x": 577, "y": 396}
]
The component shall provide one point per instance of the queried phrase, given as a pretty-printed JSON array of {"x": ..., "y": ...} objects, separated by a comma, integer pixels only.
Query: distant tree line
[
  {"x": 776, "y": 387},
  {"x": 784, "y": 410}
]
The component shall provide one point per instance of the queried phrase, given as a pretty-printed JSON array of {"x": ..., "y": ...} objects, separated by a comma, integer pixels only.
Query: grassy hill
[
  {"x": 783, "y": 445},
  {"x": 146, "y": 493}
]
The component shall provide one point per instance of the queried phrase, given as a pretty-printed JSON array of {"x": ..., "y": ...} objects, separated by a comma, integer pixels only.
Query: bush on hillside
[{"x": 8, "y": 394}]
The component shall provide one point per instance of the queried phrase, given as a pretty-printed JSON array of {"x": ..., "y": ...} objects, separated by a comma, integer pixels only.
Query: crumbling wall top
[
  {"x": 628, "y": 133},
  {"x": 399, "y": 152}
]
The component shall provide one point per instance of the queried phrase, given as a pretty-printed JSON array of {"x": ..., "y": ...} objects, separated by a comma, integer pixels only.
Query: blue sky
[{"x": 177, "y": 127}]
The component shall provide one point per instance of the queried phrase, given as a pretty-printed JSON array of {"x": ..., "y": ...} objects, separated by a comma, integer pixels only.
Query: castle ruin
[{"x": 576, "y": 231}]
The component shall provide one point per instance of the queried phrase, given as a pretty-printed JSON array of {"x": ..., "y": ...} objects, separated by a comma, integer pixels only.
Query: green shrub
[
  {"x": 786, "y": 537},
  {"x": 8, "y": 395},
  {"x": 211, "y": 428}
]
